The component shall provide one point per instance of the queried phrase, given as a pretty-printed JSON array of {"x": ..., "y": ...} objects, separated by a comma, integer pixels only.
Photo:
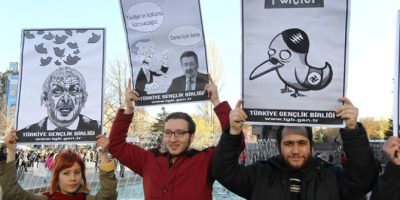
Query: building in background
[{"x": 8, "y": 94}]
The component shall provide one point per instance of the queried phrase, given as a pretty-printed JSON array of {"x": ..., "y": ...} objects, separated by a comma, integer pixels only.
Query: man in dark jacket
[
  {"x": 295, "y": 174},
  {"x": 388, "y": 187}
]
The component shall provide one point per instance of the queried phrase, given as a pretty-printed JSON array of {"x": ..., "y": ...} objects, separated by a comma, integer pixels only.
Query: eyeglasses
[{"x": 177, "y": 133}]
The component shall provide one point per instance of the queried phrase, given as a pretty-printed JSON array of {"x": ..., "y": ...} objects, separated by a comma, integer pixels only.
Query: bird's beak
[{"x": 265, "y": 67}]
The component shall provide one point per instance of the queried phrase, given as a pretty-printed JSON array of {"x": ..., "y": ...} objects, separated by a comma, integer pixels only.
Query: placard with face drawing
[
  {"x": 294, "y": 61},
  {"x": 167, "y": 50},
  {"x": 60, "y": 96}
]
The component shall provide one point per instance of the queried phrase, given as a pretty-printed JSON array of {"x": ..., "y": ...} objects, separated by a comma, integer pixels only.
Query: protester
[
  {"x": 3, "y": 155},
  {"x": 68, "y": 181},
  {"x": 179, "y": 172},
  {"x": 388, "y": 186},
  {"x": 294, "y": 173},
  {"x": 49, "y": 164}
]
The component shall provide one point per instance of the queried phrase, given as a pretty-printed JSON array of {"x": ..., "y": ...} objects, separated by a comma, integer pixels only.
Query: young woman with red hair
[{"x": 68, "y": 180}]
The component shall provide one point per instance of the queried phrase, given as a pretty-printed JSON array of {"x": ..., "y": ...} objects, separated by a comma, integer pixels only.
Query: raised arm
[
  {"x": 221, "y": 109},
  {"x": 361, "y": 172},
  {"x": 225, "y": 167},
  {"x": 108, "y": 182},
  {"x": 8, "y": 174},
  {"x": 130, "y": 155}
]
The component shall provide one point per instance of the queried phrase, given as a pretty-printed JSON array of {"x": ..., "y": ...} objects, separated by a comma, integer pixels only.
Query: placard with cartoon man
[
  {"x": 61, "y": 86},
  {"x": 167, "y": 50},
  {"x": 294, "y": 61}
]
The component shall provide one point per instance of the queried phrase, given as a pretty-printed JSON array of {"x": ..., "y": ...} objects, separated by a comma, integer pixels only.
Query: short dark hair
[
  {"x": 280, "y": 130},
  {"x": 190, "y": 54},
  {"x": 184, "y": 116}
]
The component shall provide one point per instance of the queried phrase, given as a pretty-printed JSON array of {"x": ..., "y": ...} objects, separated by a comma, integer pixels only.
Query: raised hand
[
  {"x": 236, "y": 118},
  {"x": 348, "y": 112},
  {"x": 103, "y": 142},
  {"x": 392, "y": 149},
  {"x": 130, "y": 95},
  {"x": 212, "y": 91},
  {"x": 11, "y": 144}
]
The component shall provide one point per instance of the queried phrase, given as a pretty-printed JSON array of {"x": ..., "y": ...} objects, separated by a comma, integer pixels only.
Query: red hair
[{"x": 65, "y": 160}]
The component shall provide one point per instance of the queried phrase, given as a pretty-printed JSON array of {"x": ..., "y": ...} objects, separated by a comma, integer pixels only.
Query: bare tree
[
  {"x": 375, "y": 127},
  {"x": 207, "y": 122}
]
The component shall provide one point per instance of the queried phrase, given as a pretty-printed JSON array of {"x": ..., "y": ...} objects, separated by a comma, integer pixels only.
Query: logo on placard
[{"x": 293, "y": 3}]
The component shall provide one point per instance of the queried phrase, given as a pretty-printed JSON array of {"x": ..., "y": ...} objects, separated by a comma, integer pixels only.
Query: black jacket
[
  {"x": 321, "y": 180},
  {"x": 388, "y": 186}
]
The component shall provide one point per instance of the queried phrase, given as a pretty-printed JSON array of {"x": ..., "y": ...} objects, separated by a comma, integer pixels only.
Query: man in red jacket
[{"x": 178, "y": 172}]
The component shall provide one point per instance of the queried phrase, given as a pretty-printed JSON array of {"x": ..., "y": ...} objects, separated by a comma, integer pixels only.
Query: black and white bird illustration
[
  {"x": 48, "y": 36},
  {"x": 72, "y": 45},
  {"x": 60, "y": 39},
  {"x": 45, "y": 61},
  {"x": 41, "y": 49},
  {"x": 29, "y": 35},
  {"x": 72, "y": 60},
  {"x": 95, "y": 38},
  {"x": 68, "y": 32},
  {"x": 57, "y": 62},
  {"x": 59, "y": 52},
  {"x": 287, "y": 55}
]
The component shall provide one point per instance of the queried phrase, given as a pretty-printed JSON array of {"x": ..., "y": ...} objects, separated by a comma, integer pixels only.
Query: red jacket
[{"x": 188, "y": 178}]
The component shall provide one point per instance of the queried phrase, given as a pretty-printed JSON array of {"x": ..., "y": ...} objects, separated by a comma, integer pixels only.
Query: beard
[{"x": 291, "y": 167}]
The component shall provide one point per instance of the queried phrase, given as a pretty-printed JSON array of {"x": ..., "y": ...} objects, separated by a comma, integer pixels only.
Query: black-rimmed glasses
[{"x": 177, "y": 133}]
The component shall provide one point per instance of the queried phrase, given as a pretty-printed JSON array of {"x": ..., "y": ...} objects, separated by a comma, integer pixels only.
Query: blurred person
[
  {"x": 49, "y": 164},
  {"x": 68, "y": 181},
  {"x": 388, "y": 186},
  {"x": 294, "y": 174}
]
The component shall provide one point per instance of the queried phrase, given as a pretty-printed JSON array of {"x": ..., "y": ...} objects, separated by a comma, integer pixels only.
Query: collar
[
  {"x": 189, "y": 153},
  {"x": 73, "y": 126}
]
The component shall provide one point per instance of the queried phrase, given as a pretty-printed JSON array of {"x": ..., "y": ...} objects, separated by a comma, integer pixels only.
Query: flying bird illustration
[
  {"x": 95, "y": 38},
  {"x": 48, "y": 36},
  {"x": 40, "y": 49},
  {"x": 29, "y": 35},
  {"x": 287, "y": 55},
  {"x": 68, "y": 32},
  {"x": 81, "y": 30},
  {"x": 76, "y": 51},
  {"x": 60, "y": 39},
  {"x": 57, "y": 62},
  {"x": 45, "y": 61},
  {"x": 72, "y": 60},
  {"x": 40, "y": 32},
  {"x": 72, "y": 45},
  {"x": 59, "y": 52}
]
